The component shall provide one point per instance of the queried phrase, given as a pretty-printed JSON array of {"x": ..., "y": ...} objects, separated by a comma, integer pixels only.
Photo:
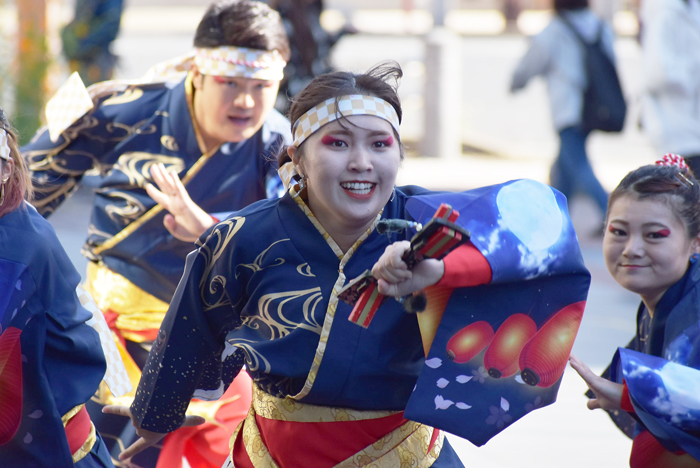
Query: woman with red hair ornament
[{"x": 651, "y": 247}]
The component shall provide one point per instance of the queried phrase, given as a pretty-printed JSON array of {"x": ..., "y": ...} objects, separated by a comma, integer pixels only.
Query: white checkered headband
[
  {"x": 344, "y": 106},
  {"x": 240, "y": 62},
  {"x": 4, "y": 145}
]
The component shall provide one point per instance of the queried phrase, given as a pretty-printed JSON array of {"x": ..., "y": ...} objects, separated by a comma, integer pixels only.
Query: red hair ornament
[
  {"x": 501, "y": 359},
  {"x": 544, "y": 357},
  {"x": 670, "y": 159}
]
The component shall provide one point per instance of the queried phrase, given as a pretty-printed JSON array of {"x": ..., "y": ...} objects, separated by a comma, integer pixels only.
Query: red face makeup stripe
[
  {"x": 611, "y": 228},
  {"x": 664, "y": 232},
  {"x": 219, "y": 79},
  {"x": 329, "y": 140},
  {"x": 389, "y": 141}
]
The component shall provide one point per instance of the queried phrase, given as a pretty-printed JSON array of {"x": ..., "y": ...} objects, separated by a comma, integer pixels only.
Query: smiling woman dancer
[
  {"x": 262, "y": 290},
  {"x": 651, "y": 246}
]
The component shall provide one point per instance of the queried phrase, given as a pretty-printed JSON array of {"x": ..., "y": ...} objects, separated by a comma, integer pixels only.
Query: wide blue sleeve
[
  {"x": 190, "y": 354},
  {"x": 57, "y": 167},
  {"x": 499, "y": 350},
  {"x": 664, "y": 395},
  {"x": 522, "y": 227},
  {"x": 74, "y": 362},
  {"x": 9, "y": 274}
]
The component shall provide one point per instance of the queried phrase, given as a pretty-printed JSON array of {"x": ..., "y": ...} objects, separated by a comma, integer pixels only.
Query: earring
[
  {"x": 302, "y": 182},
  {"x": 2, "y": 192}
]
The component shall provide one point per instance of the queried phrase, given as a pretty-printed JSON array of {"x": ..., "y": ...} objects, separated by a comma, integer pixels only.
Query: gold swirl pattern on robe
[
  {"x": 62, "y": 190},
  {"x": 130, "y": 95},
  {"x": 169, "y": 142},
  {"x": 213, "y": 290},
  {"x": 136, "y": 166},
  {"x": 256, "y": 266},
  {"x": 128, "y": 210},
  {"x": 139, "y": 128},
  {"x": 406, "y": 446},
  {"x": 131, "y": 228},
  {"x": 340, "y": 282},
  {"x": 254, "y": 361},
  {"x": 278, "y": 324},
  {"x": 305, "y": 270}
]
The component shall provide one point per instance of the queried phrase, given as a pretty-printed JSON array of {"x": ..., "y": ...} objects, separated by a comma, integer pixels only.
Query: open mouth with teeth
[{"x": 359, "y": 190}]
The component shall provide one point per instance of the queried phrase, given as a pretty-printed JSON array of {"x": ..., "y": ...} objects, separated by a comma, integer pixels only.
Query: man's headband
[
  {"x": 240, "y": 62},
  {"x": 344, "y": 106},
  {"x": 4, "y": 145}
]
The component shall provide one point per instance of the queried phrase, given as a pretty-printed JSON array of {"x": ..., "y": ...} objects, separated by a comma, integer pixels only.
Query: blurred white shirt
[{"x": 557, "y": 55}]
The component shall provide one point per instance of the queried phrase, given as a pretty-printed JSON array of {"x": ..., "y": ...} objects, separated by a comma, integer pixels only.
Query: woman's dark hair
[
  {"x": 563, "y": 5},
  {"x": 670, "y": 184},
  {"x": 19, "y": 185},
  {"x": 242, "y": 23},
  {"x": 381, "y": 81}
]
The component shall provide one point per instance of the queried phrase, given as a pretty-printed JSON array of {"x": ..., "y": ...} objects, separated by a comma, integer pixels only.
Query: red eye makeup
[
  {"x": 220, "y": 79},
  {"x": 329, "y": 140},
  {"x": 389, "y": 141},
  {"x": 663, "y": 232}
]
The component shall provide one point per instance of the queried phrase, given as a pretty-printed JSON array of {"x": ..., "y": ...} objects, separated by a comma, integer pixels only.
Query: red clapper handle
[{"x": 438, "y": 238}]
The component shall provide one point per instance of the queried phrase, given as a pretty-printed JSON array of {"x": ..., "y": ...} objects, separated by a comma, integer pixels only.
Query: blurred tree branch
[{"x": 32, "y": 65}]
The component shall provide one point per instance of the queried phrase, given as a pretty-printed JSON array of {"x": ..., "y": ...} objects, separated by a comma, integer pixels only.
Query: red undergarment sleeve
[
  {"x": 626, "y": 403},
  {"x": 647, "y": 452},
  {"x": 465, "y": 266}
]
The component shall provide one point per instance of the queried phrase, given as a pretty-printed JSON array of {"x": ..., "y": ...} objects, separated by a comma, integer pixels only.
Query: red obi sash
[
  {"x": 78, "y": 430},
  {"x": 322, "y": 444}
]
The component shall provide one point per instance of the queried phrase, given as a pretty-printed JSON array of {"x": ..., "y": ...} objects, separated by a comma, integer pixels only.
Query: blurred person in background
[
  {"x": 670, "y": 69},
  {"x": 558, "y": 55},
  {"x": 310, "y": 45},
  {"x": 51, "y": 360},
  {"x": 87, "y": 39},
  {"x": 209, "y": 118}
]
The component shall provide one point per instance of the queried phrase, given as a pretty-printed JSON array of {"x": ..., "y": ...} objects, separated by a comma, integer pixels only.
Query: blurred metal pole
[
  {"x": 511, "y": 11},
  {"x": 439, "y": 12},
  {"x": 443, "y": 84}
]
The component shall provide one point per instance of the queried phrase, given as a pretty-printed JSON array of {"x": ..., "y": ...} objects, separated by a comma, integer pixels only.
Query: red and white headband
[{"x": 240, "y": 62}]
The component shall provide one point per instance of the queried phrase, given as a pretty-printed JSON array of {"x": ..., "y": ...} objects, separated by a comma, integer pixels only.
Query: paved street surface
[{"x": 505, "y": 137}]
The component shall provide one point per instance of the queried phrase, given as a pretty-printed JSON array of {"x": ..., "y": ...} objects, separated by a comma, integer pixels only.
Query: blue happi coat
[
  {"x": 270, "y": 302},
  {"x": 52, "y": 361},
  {"x": 112, "y": 149},
  {"x": 662, "y": 366}
]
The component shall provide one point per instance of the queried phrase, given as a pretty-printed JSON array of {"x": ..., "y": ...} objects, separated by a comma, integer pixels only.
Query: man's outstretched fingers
[
  {"x": 118, "y": 410},
  {"x": 193, "y": 421},
  {"x": 136, "y": 448}
]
